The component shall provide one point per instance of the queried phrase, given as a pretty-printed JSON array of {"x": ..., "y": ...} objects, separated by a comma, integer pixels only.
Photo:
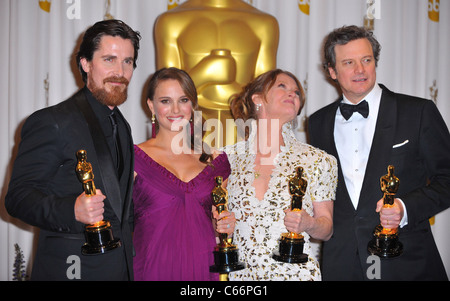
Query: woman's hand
[
  {"x": 225, "y": 221},
  {"x": 320, "y": 226},
  {"x": 297, "y": 221}
]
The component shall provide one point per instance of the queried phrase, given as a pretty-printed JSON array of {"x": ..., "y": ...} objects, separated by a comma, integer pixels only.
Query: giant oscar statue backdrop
[{"x": 222, "y": 44}]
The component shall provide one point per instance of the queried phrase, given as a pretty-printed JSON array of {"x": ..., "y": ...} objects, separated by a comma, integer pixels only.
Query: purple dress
[{"x": 173, "y": 234}]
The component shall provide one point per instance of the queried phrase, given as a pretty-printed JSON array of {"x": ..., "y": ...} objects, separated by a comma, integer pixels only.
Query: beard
[{"x": 115, "y": 97}]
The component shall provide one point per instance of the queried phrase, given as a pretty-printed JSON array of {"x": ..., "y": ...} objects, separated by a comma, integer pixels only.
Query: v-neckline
[
  {"x": 163, "y": 168},
  {"x": 267, "y": 186}
]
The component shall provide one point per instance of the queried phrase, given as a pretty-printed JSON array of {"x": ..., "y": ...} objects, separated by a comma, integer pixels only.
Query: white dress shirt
[{"x": 353, "y": 138}]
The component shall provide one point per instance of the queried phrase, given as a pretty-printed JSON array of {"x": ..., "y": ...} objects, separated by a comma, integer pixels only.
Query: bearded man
[{"x": 44, "y": 190}]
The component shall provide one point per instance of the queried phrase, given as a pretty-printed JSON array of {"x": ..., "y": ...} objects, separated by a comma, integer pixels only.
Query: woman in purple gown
[{"x": 174, "y": 235}]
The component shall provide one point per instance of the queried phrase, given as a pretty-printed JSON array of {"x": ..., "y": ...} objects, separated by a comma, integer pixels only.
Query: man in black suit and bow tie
[
  {"x": 368, "y": 129},
  {"x": 45, "y": 191}
]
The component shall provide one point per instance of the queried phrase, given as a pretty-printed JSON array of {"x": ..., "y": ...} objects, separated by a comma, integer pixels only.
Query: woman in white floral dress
[{"x": 258, "y": 185}]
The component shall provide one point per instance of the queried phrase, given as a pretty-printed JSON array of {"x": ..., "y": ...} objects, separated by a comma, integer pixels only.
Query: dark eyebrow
[{"x": 109, "y": 56}]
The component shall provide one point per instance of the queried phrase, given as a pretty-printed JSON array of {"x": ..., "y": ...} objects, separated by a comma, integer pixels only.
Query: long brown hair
[{"x": 188, "y": 87}]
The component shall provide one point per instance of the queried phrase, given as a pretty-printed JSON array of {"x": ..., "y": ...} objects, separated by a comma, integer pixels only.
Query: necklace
[
  {"x": 262, "y": 169},
  {"x": 257, "y": 172},
  {"x": 260, "y": 172}
]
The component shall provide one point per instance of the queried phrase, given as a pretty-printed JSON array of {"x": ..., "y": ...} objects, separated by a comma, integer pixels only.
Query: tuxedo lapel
[
  {"x": 328, "y": 125},
  {"x": 107, "y": 172},
  {"x": 130, "y": 176},
  {"x": 380, "y": 151}
]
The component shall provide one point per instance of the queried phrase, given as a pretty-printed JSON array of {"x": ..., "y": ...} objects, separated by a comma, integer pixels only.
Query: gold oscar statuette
[
  {"x": 99, "y": 237},
  {"x": 223, "y": 45},
  {"x": 226, "y": 258},
  {"x": 291, "y": 244},
  {"x": 385, "y": 242}
]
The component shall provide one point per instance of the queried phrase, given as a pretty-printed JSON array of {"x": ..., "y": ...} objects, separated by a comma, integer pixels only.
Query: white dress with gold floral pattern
[{"x": 260, "y": 223}]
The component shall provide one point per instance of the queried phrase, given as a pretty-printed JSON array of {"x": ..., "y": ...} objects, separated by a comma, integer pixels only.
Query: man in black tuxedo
[
  {"x": 45, "y": 191},
  {"x": 391, "y": 129}
]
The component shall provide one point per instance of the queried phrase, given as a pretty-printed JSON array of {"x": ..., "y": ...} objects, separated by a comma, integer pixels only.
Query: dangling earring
[
  {"x": 258, "y": 106},
  {"x": 153, "y": 126},
  {"x": 191, "y": 123}
]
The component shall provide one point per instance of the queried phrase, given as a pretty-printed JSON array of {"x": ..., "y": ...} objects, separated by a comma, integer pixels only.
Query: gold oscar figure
[
  {"x": 226, "y": 258},
  {"x": 223, "y": 45},
  {"x": 385, "y": 242},
  {"x": 291, "y": 244},
  {"x": 99, "y": 237}
]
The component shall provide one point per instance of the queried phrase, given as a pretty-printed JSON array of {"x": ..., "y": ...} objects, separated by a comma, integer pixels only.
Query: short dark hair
[
  {"x": 343, "y": 35},
  {"x": 93, "y": 35}
]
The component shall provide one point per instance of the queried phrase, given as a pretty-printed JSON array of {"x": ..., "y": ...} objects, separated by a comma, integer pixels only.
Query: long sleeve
[
  {"x": 434, "y": 148},
  {"x": 39, "y": 175}
]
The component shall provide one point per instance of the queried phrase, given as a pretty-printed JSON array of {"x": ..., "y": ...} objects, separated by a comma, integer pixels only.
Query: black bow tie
[{"x": 347, "y": 110}]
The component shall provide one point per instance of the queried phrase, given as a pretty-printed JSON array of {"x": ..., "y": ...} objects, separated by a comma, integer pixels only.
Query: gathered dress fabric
[
  {"x": 260, "y": 223},
  {"x": 174, "y": 237}
]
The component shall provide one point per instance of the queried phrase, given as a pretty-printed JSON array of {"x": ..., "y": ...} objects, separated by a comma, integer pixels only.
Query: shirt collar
[
  {"x": 372, "y": 96},
  {"x": 101, "y": 110}
]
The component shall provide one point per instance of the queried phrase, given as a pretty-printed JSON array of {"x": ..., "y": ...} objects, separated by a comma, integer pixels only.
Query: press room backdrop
[{"x": 40, "y": 39}]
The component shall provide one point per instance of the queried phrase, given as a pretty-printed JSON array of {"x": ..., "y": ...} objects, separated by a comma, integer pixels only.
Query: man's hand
[
  {"x": 89, "y": 209},
  {"x": 390, "y": 216}
]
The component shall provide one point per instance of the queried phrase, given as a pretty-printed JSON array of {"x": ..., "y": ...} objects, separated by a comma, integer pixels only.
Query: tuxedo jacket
[
  {"x": 44, "y": 186},
  {"x": 411, "y": 135}
]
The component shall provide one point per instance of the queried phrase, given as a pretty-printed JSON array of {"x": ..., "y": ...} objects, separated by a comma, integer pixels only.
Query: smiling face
[
  {"x": 355, "y": 69},
  {"x": 110, "y": 70},
  {"x": 282, "y": 100},
  {"x": 170, "y": 105}
]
